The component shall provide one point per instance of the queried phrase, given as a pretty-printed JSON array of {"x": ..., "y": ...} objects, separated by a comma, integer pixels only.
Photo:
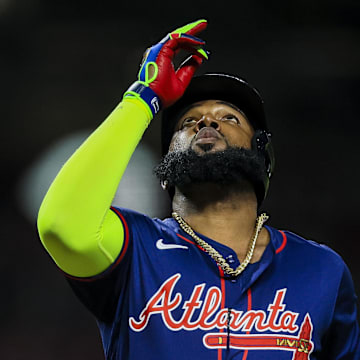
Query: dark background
[{"x": 64, "y": 66}]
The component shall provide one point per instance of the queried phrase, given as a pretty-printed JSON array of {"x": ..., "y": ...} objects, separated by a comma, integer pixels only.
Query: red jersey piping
[
  {"x": 283, "y": 244},
  {"x": 249, "y": 306},
  {"x": 222, "y": 306}
]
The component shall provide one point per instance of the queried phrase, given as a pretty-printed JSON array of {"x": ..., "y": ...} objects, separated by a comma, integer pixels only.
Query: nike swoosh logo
[{"x": 161, "y": 246}]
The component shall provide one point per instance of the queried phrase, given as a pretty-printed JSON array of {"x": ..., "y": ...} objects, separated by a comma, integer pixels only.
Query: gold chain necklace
[{"x": 260, "y": 220}]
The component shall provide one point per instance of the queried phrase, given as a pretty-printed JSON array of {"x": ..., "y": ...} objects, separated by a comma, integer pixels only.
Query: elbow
[
  {"x": 57, "y": 232},
  {"x": 73, "y": 246},
  {"x": 47, "y": 228}
]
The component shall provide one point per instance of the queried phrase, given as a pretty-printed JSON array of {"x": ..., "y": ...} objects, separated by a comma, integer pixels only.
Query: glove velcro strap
[{"x": 143, "y": 92}]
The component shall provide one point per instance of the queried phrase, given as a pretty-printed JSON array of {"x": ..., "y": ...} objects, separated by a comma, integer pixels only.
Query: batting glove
[{"x": 159, "y": 85}]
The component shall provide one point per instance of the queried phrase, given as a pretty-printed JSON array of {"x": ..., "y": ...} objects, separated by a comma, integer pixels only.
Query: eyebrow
[
  {"x": 228, "y": 104},
  {"x": 232, "y": 106},
  {"x": 218, "y": 102}
]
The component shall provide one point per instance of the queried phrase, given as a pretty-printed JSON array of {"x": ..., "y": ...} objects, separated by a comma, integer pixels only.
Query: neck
[{"x": 222, "y": 213}]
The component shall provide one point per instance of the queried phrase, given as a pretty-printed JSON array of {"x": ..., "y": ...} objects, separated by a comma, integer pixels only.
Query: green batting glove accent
[
  {"x": 149, "y": 80},
  {"x": 147, "y": 65},
  {"x": 203, "y": 53},
  {"x": 186, "y": 28}
]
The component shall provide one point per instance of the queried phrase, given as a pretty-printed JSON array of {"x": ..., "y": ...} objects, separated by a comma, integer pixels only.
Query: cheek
[
  {"x": 243, "y": 140},
  {"x": 180, "y": 141}
]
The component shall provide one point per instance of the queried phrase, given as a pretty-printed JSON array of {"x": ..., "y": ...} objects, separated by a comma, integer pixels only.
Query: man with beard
[{"x": 212, "y": 282}]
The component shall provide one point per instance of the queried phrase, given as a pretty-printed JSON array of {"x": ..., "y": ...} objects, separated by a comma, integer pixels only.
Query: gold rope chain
[{"x": 260, "y": 220}]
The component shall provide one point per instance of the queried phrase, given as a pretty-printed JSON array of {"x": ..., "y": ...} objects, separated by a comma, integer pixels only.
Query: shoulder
[
  {"x": 317, "y": 264},
  {"x": 311, "y": 251},
  {"x": 134, "y": 219}
]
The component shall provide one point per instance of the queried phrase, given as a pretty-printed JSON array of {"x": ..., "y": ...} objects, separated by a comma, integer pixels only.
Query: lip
[{"x": 206, "y": 135}]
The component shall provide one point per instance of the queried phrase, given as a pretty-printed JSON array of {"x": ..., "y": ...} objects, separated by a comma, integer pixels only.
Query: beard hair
[{"x": 232, "y": 166}]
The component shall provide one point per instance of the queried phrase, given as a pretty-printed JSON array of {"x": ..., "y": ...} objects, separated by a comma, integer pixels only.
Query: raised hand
[{"x": 159, "y": 84}]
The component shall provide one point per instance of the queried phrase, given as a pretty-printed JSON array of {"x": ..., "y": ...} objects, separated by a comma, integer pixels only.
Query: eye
[
  {"x": 188, "y": 122},
  {"x": 231, "y": 117}
]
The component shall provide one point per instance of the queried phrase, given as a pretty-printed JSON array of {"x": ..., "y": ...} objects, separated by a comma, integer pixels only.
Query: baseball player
[{"x": 213, "y": 281}]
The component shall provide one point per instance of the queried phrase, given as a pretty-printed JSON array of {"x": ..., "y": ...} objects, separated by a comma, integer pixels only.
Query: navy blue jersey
[{"x": 166, "y": 298}]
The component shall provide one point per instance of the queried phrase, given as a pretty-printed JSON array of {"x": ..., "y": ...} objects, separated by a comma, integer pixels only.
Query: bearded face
[{"x": 212, "y": 144}]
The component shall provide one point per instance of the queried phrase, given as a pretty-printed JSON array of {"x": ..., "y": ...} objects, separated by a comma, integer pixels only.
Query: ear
[{"x": 261, "y": 142}]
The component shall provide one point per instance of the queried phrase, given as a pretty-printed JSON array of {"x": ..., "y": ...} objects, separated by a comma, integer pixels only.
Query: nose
[{"x": 207, "y": 121}]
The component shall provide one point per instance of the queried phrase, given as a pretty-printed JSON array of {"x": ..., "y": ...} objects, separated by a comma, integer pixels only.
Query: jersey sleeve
[
  {"x": 343, "y": 340},
  {"x": 75, "y": 223},
  {"x": 106, "y": 294}
]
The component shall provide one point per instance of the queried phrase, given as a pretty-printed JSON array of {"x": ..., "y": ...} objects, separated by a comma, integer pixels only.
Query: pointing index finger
[{"x": 192, "y": 28}]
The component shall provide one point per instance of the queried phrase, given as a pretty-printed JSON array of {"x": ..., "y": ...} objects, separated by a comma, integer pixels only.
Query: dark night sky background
[{"x": 64, "y": 66}]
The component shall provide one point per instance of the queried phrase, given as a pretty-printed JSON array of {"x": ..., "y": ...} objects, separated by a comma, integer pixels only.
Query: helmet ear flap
[{"x": 261, "y": 143}]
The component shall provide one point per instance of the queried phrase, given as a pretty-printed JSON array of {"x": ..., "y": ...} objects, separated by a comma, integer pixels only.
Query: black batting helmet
[{"x": 226, "y": 87}]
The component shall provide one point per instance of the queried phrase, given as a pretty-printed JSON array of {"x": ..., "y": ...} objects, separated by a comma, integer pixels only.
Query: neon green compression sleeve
[{"x": 75, "y": 223}]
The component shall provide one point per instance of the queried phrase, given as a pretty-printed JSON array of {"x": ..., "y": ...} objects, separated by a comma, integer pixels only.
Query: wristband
[{"x": 143, "y": 93}]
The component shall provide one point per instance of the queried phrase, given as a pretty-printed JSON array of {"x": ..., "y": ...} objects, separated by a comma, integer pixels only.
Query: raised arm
[{"x": 75, "y": 223}]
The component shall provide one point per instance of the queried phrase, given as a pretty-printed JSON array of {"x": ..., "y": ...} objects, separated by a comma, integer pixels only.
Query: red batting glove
[{"x": 159, "y": 84}]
